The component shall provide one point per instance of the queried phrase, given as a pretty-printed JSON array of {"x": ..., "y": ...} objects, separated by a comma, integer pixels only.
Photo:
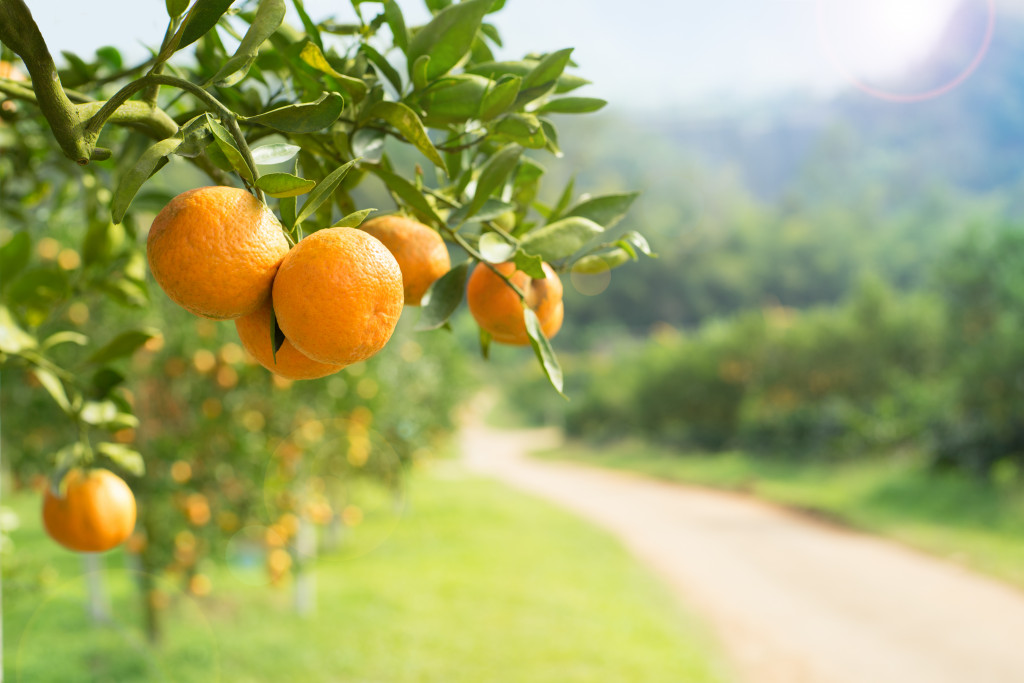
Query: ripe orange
[
  {"x": 338, "y": 296},
  {"x": 420, "y": 252},
  {"x": 254, "y": 331},
  {"x": 96, "y": 513},
  {"x": 497, "y": 308},
  {"x": 215, "y": 250},
  {"x": 8, "y": 70}
]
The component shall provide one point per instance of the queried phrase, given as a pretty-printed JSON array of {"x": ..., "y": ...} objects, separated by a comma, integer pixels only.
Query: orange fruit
[
  {"x": 497, "y": 309},
  {"x": 338, "y": 296},
  {"x": 215, "y": 251},
  {"x": 96, "y": 513},
  {"x": 254, "y": 331},
  {"x": 420, "y": 252},
  {"x": 8, "y": 70}
]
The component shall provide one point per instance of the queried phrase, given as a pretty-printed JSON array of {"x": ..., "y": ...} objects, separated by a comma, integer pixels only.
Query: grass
[
  {"x": 977, "y": 525},
  {"x": 476, "y": 583}
]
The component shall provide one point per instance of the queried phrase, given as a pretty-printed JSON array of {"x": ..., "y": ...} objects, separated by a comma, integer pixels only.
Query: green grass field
[
  {"x": 979, "y": 526},
  {"x": 476, "y": 583}
]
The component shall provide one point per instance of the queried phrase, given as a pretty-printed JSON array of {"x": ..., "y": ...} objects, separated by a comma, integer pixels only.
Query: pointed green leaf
[
  {"x": 176, "y": 7},
  {"x": 268, "y": 18},
  {"x": 571, "y": 105},
  {"x": 448, "y": 36},
  {"x": 227, "y": 146},
  {"x": 307, "y": 117},
  {"x": 603, "y": 261},
  {"x": 485, "y": 344},
  {"x": 122, "y": 345},
  {"x": 323, "y": 191},
  {"x": 354, "y": 219},
  {"x": 284, "y": 185},
  {"x": 542, "y": 348},
  {"x": 637, "y": 240},
  {"x": 384, "y": 66},
  {"x": 408, "y": 193},
  {"x": 418, "y": 72},
  {"x": 547, "y": 70},
  {"x": 133, "y": 180},
  {"x": 128, "y": 459},
  {"x": 563, "y": 201},
  {"x": 443, "y": 297},
  {"x": 562, "y": 238},
  {"x": 606, "y": 210},
  {"x": 493, "y": 176},
  {"x": 203, "y": 16},
  {"x": 524, "y": 129},
  {"x": 277, "y": 153},
  {"x": 314, "y": 56},
  {"x": 501, "y": 97},
  {"x": 530, "y": 264},
  {"x": 54, "y": 387},
  {"x": 409, "y": 125}
]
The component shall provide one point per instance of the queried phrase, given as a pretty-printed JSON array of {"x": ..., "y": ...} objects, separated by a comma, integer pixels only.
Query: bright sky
[{"x": 643, "y": 53}]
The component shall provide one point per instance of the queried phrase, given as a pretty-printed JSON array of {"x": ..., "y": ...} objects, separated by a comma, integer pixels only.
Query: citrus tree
[{"x": 303, "y": 131}]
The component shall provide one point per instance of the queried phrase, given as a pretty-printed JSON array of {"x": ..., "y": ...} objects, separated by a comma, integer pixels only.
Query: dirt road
[{"x": 791, "y": 600}]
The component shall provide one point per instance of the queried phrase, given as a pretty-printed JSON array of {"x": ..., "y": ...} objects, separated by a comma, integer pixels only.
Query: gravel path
[{"x": 791, "y": 600}]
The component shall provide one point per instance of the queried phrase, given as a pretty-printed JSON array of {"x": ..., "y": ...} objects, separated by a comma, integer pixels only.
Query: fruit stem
[{"x": 461, "y": 241}]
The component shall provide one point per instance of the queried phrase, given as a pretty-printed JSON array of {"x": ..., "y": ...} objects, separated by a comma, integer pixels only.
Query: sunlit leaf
[
  {"x": 54, "y": 387},
  {"x": 408, "y": 193},
  {"x": 307, "y": 117},
  {"x": 133, "y": 180},
  {"x": 409, "y": 125},
  {"x": 606, "y": 210},
  {"x": 354, "y": 219},
  {"x": 203, "y": 16},
  {"x": 500, "y": 97},
  {"x": 562, "y": 238},
  {"x": 448, "y": 36},
  {"x": 323, "y": 191},
  {"x": 495, "y": 248},
  {"x": 13, "y": 339},
  {"x": 267, "y": 19},
  {"x": 571, "y": 105},
  {"x": 277, "y": 153},
  {"x": 314, "y": 56},
  {"x": 128, "y": 459},
  {"x": 284, "y": 185},
  {"x": 230, "y": 150}
]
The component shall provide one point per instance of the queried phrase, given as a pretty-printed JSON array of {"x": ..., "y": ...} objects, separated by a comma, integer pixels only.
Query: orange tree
[{"x": 317, "y": 122}]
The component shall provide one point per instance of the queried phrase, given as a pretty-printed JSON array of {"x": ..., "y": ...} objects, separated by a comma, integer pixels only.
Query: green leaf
[
  {"x": 500, "y": 97},
  {"x": 524, "y": 129},
  {"x": 307, "y": 117},
  {"x": 563, "y": 201},
  {"x": 547, "y": 71},
  {"x": 564, "y": 84},
  {"x": 448, "y": 36},
  {"x": 288, "y": 208},
  {"x": 637, "y": 240},
  {"x": 323, "y": 191},
  {"x": 551, "y": 137},
  {"x": 98, "y": 413},
  {"x": 194, "y": 136},
  {"x": 268, "y": 18},
  {"x": 396, "y": 22},
  {"x": 14, "y": 256},
  {"x": 203, "y": 16},
  {"x": 227, "y": 146},
  {"x": 384, "y": 66},
  {"x": 408, "y": 193},
  {"x": 443, "y": 297},
  {"x": 530, "y": 264},
  {"x": 453, "y": 99},
  {"x": 284, "y": 185},
  {"x": 368, "y": 144},
  {"x": 601, "y": 262},
  {"x": 542, "y": 348},
  {"x": 64, "y": 337},
  {"x": 176, "y": 7},
  {"x": 314, "y": 56},
  {"x": 418, "y": 71},
  {"x": 128, "y": 459},
  {"x": 133, "y": 180},
  {"x": 105, "y": 379},
  {"x": 571, "y": 105},
  {"x": 606, "y": 210},
  {"x": 122, "y": 345},
  {"x": 493, "y": 176},
  {"x": 562, "y": 238},
  {"x": 354, "y": 219},
  {"x": 13, "y": 339},
  {"x": 485, "y": 344},
  {"x": 54, "y": 387},
  {"x": 492, "y": 208},
  {"x": 494, "y": 248},
  {"x": 307, "y": 23},
  {"x": 277, "y": 337},
  {"x": 217, "y": 156},
  {"x": 277, "y": 153},
  {"x": 409, "y": 125}
]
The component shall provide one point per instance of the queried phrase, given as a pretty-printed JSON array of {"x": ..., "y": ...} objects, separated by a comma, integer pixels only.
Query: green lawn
[
  {"x": 980, "y": 526},
  {"x": 476, "y": 583}
]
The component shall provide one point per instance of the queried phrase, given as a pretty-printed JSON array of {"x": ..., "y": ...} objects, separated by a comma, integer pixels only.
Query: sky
[{"x": 641, "y": 54}]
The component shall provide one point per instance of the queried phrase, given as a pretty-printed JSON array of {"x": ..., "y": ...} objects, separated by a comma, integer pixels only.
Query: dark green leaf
[
  {"x": 493, "y": 176},
  {"x": 307, "y": 23},
  {"x": 268, "y": 18},
  {"x": 444, "y": 297},
  {"x": 571, "y": 105},
  {"x": 277, "y": 153},
  {"x": 312, "y": 55},
  {"x": 217, "y": 156},
  {"x": 307, "y": 117},
  {"x": 284, "y": 185},
  {"x": 606, "y": 210},
  {"x": 408, "y": 193},
  {"x": 323, "y": 191},
  {"x": 227, "y": 146},
  {"x": 122, "y": 345},
  {"x": 409, "y": 125},
  {"x": 133, "y": 180},
  {"x": 354, "y": 219},
  {"x": 530, "y": 264},
  {"x": 176, "y": 7},
  {"x": 500, "y": 98},
  {"x": 396, "y": 22},
  {"x": 111, "y": 57},
  {"x": 542, "y": 348},
  {"x": 14, "y": 256},
  {"x": 203, "y": 16},
  {"x": 124, "y": 457},
  {"x": 105, "y": 379},
  {"x": 448, "y": 36},
  {"x": 562, "y": 238}
]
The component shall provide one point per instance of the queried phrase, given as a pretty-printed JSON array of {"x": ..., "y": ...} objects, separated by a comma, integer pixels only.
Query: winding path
[{"x": 791, "y": 600}]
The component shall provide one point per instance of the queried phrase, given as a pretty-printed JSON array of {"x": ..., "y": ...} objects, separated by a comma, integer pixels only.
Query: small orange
[
  {"x": 420, "y": 252},
  {"x": 10, "y": 71},
  {"x": 215, "y": 251},
  {"x": 254, "y": 332},
  {"x": 497, "y": 309},
  {"x": 96, "y": 513},
  {"x": 338, "y": 296}
]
